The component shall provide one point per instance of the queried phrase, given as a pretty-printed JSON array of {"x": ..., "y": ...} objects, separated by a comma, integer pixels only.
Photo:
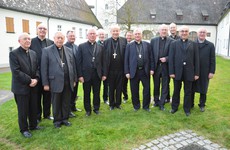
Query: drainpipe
[
  {"x": 228, "y": 39},
  {"x": 48, "y": 23}
]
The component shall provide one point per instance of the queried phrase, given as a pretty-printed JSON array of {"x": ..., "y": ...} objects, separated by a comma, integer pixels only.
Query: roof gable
[{"x": 72, "y": 10}]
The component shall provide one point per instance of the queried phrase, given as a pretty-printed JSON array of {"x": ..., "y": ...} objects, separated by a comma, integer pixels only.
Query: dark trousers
[
  {"x": 168, "y": 96},
  {"x": 161, "y": 77},
  {"x": 44, "y": 102},
  {"x": 134, "y": 83},
  {"x": 60, "y": 104},
  {"x": 27, "y": 110},
  {"x": 115, "y": 80},
  {"x": 187, "y": 95},
  {"x": 95, "y": 84},
  {"x": 124, "y": 88},
  {"x": 73, "y": 97},
  {"x": 202, "y": 99},
  {"x": 105, "y": 90}
]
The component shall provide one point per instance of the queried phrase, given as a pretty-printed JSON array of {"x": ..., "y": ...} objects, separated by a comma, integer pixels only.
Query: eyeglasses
[
  {"x": 41, "y": 28},
  {"x": 184, "y": 31}
]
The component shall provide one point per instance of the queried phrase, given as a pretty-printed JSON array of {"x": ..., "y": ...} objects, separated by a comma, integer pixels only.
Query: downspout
[
  {"x": 228, "y": 39},
  {"x": 48, "y": 23}
]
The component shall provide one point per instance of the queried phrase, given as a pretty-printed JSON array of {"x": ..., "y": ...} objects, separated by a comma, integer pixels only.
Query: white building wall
[
  {"x": 223, "y": 41},
  {"x": 8, "y": 40}
]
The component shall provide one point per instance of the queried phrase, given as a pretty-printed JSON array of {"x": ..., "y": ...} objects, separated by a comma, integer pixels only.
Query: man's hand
[
  {"x": 46, "y": 87},
  {"x": 127, "y": 76},
  {"x": 103, "y": 78},
  {"x": 151, "y": 72},
  {"x": 81, "y": 79},
  {"x": 210, "y": 75},
  {"x": 172, "y": 76},
  {"x": 163, "y": 59},
  {"x": 196, "y": 77},
  {"x": 33, "y": 82}
]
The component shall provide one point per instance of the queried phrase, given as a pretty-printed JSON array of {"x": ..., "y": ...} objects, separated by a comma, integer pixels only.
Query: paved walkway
[
  {"x": 5, "y": 96},
  {"x": 184, "y": 140}
]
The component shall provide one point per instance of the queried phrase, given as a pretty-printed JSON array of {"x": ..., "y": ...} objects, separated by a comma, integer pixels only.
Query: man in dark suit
[
  {"x": 207, "y": 67},
  {"x": 70, "y": 35},
  {"x": 173, "y": 31},
  {"x": 114, "y": 66},
  {"x": 138, "y": 67},
  {"x": 101, "y": 39},
  {"x": 129, "y": 38},
  {"x": 59, "y": 77},
  {"x": 160, "y": 49},
  {"x": 89, "y": 69},
  {"x": 25, "y": 75},
  {"x": 183, "y": 67},
  {"x": 44, "y": 97}
]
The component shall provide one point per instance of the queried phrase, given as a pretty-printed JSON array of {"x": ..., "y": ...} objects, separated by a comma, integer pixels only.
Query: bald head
[
  {"x": 41, "y": 31},
  {"x": 173, "y": 29},
  {"x": 59, "y": 39},
  {"x": 201, "y": 33},
  {"x": 163, "y": 30},
  {"x": 184, "y": 32},
  {"x": 24, "y": 40}
]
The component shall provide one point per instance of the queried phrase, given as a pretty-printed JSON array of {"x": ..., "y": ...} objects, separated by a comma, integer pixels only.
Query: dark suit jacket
[
  {"x": 155, "y": 42},
  {"x": 84, "y": 60},
  {"x": 21, "y": 73},
  {"x": 177, "y": 55},
  {"x": 36, "y": 46},
  {"x": 74, "y": 47},
  {"x": 52, "y": 71},
  {"x": 131, "y": 57},
  {"x": 108, "y": 52},
  {"x": 207, "y": 65}
]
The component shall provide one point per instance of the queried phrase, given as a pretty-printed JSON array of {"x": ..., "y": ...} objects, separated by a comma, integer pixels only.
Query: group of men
[{"x": 51, "y": 70}]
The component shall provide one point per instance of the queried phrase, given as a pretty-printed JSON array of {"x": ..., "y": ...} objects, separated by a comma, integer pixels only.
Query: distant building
[
  {"x": 59, "y": 15},
  {"x": 223, "y": 33},
  {"x": 149, "y": 14}
]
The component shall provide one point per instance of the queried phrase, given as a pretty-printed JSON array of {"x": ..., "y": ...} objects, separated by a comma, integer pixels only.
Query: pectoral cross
[
  {"x": 114, "y": 55},
  {"x": 139, "y": 55}
]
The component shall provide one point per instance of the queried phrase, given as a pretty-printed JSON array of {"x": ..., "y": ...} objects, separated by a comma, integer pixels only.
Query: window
[
  {"x": 208, "y": 34},
  {"x": 25, "y": 26},
  {"x": 179, "y": 14},
  {"x": 11, "y": 49},
  {"x": 106, "y": 22},
  {"x": 73, "y": 28},
  {"x": 58, "y": 27},
  {"x": 153, "y": 13},
  {"x": 204, "y": 15},
  {"x": 106, "y": 6},
  {"x": 9, "y": 25},
  {"x": 86, "y": 30},
  {"x": 193, "y": 35},
  {"x": 37, "y": 23},
  {"x": 80, "y": 33}
]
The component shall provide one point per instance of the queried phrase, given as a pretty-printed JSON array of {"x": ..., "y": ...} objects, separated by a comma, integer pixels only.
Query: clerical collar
[
  {"x": 59, "y": 48},
  {"x": 41, "y": 39},
  {"x": 91, "y": 43},
  {"x": 184, "y": 40},
  {"x": 138, "y": 43},
  {"x": 200, "y": 41},
  {"x": 115, "y": 40},
  {"x": 163, "y": 38},
  {"x": 25, "y": 50}
]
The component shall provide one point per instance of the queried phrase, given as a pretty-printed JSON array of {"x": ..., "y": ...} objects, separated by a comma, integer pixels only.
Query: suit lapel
[
  {"x": 157, "y": 48},
  {"x": 55, "y": 53},
  {"x": 120, "y": 46}
]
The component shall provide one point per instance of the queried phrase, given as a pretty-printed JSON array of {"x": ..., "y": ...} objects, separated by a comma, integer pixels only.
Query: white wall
[
  {"x": 11, "y": 39},
  {"x": 223, "y": 31}
]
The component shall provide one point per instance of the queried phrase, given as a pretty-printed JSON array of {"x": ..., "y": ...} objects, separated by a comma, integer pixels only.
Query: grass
[{"x": 124, "y": 129}]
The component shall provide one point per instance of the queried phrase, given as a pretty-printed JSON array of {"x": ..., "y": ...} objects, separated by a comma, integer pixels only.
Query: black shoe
[
  {"x": 173, "y": 111},
  {"x": 27, "y": 134},
  {"x": 49, "y": 118},
  {"x": 72, "y": 115},
  {"x": 111, "y": 108},
  {"x": 135, "y": 109},
  {"x": 88, "y": 113},
  {"x": 147, "y": 109},
  {"x": 37, "y": 128},
  {"x": 118, "y": 107},
  {"x": 202, "y": 109},
  {"x": 96, "y": 112},
  {"x": 57, "y": 125},
  {"x": 125, "y": 100},
  {"x": 162, "y": 108},
  {"x": 38, "y": 121},
  {"x": 167, "y": 101},
  {"x": 187, "y": 114},
  {"x": 66, "y": 123},
  {"x": 155, "y": 105}
]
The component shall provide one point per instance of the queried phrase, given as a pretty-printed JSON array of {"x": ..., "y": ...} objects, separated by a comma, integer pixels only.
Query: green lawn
[{"x": 124, "y": 129}]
